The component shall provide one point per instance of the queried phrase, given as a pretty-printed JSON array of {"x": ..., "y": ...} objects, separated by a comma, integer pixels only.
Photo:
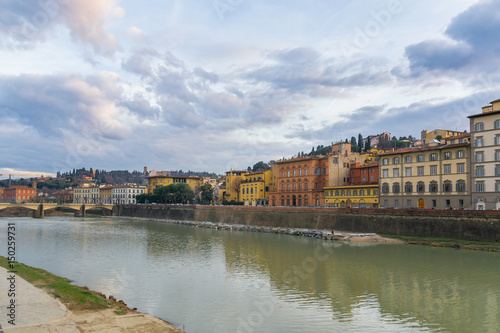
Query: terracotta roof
[
  {"x": 418, "y": 149},
  {"x": 484, "y": 114},
  {"x": 460, "y": 136}
]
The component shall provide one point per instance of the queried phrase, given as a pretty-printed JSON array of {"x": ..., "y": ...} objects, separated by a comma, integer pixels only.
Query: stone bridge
[{"x": 40, "y": 208}]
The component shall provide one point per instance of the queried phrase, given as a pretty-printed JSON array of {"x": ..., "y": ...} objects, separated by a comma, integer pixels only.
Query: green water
[{"x": 230, "y": 281}]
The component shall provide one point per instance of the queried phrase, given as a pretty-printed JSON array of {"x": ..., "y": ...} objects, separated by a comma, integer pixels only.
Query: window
[
  {"x": 361, "y": 192},
  {"x": 408, "y": 159},
  {"x": 348, "y": 193},
  {"x": 396, "y": 203},
  {"x": 282, "y": 174},
  {"x": 460, "y": 186},
  {"x": 385, "y": 161},
  {"x": 421, "y": 158},
  {"x": 479, "y": 157},
  {"x": 337, "y": 193},
  {"x": 408, "y": 203},
  {"x": 460, "y": 154},
  {"x": 497, "y": 170},
  {"x": 480, "y": 187},
  {"x": 300, "y": 173},
  {"x": 293, "y": 186},
  {"x": 447, "y": 169},
  {"x": 300, "y": 186},
  {"x": 294, "y": 173},
  {"x": 447, "y": 155},
  {"x": 433, "y": 170},
  {"x": 395, "y": 188},
  {"x": 305, "y": 172},
  {"x": 385, "y": 188},
  {"x": 316, "y": 185},
  {"x": 433, "y": 157},
  {"x": 355, "y": 192},
  {"x": 497, "y": 124},
  {"x": 385, "y": 173},
  {"x": 497, "y": 140},
  {"x": 375, "y": 192},
  {"x": 386, "y": 203},
  {"x": 408, "y": 188},
  {"x": 420, "y": 187},
  {"x": 434, "y": 204},
  {"x": 461, "y": 203},
  {"x": 497, "y": 155},
  {"x": 447, "y": 187},
  {"x": 395, "y": 173},
  {"x": 479, "y": 172},
  {"x": 497, "y": 187},
  {"x": 433, "y": 187},
  {"x": 306, "y": 186},
  {"x": 478, "y": 142},
  {"x": 460, "y": 168},
  {"x": 335, "y": 160},
  {"x": 316, "y": 171},
  {"x": 478, "y": 127},
  {"x": 448, "y": 203},
  {"x": 408, "y": 172},
  {"x": 395, "y": 160},
  {"x": 420, "y": 171}
]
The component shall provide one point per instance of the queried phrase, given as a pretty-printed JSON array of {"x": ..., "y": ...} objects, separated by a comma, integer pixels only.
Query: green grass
[
  {"x": 75, "y": 297},
  {"x": 448, "y": 242}
]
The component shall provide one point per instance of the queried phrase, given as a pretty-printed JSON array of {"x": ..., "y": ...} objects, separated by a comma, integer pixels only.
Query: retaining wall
[{"x": 477, "y": 225}]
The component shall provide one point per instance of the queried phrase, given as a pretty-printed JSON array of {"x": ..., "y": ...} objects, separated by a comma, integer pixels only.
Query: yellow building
[
  {"x": 163, "y": 178},
  {"x": 352, "y": 196},
  {"x": 254, "y": 188},
  {"x": 233, "y": 185},
  {"x": 105, "y": 194},
  {"x": 428, "y": 136}
]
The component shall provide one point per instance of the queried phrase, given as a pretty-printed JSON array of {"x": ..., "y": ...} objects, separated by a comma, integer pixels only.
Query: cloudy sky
[{"x": 218, "y": 84}]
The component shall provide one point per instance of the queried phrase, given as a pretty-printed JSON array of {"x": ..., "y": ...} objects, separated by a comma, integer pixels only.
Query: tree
[
  {"x": 174, "y": 193},
  {"x": 260, "y": 166},
  {"x": 360, "y": 142},
  {"x": 439, "y": 137},
  {"x": 368, "y": 144},
  {"x": 207, "y": 193}
]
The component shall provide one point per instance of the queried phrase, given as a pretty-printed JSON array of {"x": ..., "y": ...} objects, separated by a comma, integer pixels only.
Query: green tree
[
  {"x": 207, "y": 193},
  {"x": 174, "y": 193},
  {"x": 360, "y": 142},
  {"x": 261, "y": 166}
]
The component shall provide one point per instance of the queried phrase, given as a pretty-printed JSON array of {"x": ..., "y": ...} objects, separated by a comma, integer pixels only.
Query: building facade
[
  {"x": 352, "y": 196},
  {"x": 427, "y": 136},
  {"x": 19, "y": 194},
  {"x": 300, "y": 181},
  {"x": 485, "y": 161},
  {"x": 105, "y": 194},
  {"x": 126, "y": 194},
  {"x": 434, "y": 177},
  {"x": 254, "y": 188},
  {"x": 164, "y": 178},
  {"x": 233, "y": 185},
  {"x": 364, "y": 174},
  {"x": 86, "y": 195}
]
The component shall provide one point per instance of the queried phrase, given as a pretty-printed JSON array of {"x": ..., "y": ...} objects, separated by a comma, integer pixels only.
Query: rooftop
[{"x": 419, "y": 149}]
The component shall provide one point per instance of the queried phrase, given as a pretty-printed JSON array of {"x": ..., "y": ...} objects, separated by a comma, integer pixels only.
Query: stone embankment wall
[{"x": 477, "y": 225}]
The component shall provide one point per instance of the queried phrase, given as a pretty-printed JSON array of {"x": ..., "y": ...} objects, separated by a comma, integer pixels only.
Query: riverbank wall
[{"x": 465, "y": 224}]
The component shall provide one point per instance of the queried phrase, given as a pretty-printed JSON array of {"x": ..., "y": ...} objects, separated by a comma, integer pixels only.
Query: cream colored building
[
  {"x": 434, "y": 176},
  {"x": 485, "y": 162},
  {"x": 86, "y": 194},
  {"x": 339, "y": 163}
]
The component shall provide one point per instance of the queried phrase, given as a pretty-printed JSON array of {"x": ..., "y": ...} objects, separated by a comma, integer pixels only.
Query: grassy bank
[
  {"x": 447, "y": 242},
  {"x": 74, "y": 297}
]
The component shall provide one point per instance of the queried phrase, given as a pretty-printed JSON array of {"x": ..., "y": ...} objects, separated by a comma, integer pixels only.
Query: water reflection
[{"x": 213, "y": 281}]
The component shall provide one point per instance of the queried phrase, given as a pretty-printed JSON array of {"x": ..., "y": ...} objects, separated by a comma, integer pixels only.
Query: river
[{"x": 234, "y": 281}]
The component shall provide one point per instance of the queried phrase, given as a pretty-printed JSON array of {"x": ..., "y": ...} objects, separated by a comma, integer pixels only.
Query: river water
[{"x": 235, "y": 281}]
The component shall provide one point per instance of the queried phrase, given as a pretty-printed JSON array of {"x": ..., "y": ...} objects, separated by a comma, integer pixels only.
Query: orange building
[
  {"x": 299, "y": 181},
  {"x": 18, "y": 194},
  {"x": 364, "y": 174}
]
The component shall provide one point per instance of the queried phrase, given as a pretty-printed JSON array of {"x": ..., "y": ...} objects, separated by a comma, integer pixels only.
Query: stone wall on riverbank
[{"x": 472, "y": 225}]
